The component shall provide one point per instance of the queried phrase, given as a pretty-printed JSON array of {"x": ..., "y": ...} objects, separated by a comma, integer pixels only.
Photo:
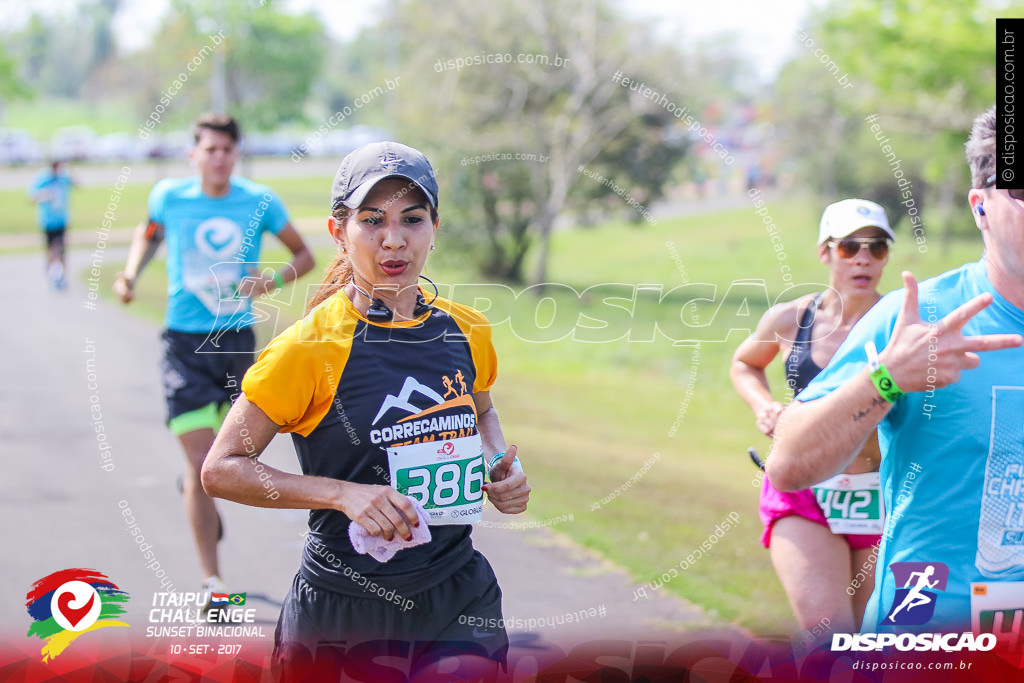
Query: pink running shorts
[{"x": 775, "y": 505}]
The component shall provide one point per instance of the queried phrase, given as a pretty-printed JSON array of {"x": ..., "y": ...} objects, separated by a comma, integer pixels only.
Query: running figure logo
[
  {"x": 450, "y": 388},
  {"x": 914, "y": 603}
]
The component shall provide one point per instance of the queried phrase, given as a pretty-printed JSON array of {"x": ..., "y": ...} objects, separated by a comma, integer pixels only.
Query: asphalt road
[{"x": 62, "y": 496}]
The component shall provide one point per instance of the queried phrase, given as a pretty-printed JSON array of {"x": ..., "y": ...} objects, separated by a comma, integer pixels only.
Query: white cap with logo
[{"x": 850, "y": 215}]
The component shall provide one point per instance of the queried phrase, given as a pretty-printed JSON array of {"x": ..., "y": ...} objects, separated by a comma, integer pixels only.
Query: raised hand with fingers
[{"x": 920, "y": 357}]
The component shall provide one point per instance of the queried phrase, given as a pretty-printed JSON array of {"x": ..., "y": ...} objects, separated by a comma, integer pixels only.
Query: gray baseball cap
[{"x": 364, "y": 167}]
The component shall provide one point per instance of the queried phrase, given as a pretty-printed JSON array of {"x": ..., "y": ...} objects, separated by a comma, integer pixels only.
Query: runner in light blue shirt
[
  {"x": 212, "y": 243},
  {"x": 50, "y": 190},
  {"x": 213, "y": 225},
  {"x": 949, "y": 424},
  {"x": 951, "y": 477}
]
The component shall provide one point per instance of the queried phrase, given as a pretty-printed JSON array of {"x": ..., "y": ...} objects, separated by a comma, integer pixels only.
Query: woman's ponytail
[{"x": 339, "y": 271}]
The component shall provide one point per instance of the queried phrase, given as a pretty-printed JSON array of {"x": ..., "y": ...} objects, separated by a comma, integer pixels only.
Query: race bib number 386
[{"x": 446, "y": 477}]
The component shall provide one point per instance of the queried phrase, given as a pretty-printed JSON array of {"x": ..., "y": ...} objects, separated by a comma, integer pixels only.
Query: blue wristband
[{"x": 495, "y": 459}]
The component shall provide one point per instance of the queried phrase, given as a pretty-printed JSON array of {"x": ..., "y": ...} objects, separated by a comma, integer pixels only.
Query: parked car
[
  {"x": 72, "y": 143},
  {"x": 18, "y": 147},
  {"x": 362, "y": 134},
  {"x": 120, "y": 147},
  {"x": 173, "y": 145},
  {"x": 343, "y": 141},
  {"x": 277, "y": 144}
]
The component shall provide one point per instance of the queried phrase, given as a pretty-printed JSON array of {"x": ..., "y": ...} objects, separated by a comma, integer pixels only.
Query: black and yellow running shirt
[{"x": 347, "y": 389}]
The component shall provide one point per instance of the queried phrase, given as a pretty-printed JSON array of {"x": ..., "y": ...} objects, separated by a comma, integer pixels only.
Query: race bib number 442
[
  {"x": 852, "y": 503},
  {"x": 446, "y": 477}
]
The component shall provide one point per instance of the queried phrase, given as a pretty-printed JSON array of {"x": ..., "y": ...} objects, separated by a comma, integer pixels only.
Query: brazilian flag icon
[{"x": 237, "y": 598}]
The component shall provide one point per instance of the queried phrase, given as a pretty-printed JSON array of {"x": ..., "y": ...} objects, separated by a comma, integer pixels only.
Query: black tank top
[{"x": 800, "y": 367}]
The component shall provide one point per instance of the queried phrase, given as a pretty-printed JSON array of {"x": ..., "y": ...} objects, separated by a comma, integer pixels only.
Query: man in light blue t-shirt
[
  {"x": 50, "y": 191},
  {"x": 213, "y": 224},
  {"x": 949, "y": 427}
]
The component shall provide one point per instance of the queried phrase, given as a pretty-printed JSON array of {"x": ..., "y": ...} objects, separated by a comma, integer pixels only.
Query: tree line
[{"x": 522, "y": 105}]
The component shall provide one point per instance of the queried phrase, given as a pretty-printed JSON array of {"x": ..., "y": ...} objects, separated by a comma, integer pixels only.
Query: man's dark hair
[
  {"x": 981, "y": 148},
  {"x": 221, "y": 123}
]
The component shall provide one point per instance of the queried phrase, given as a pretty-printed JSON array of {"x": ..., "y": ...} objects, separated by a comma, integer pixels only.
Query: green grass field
[
  {"x": 87, "y": 207},
  {"x": 305, "y": 197},
  {"x": 588, "y": 415},
  {"x": 41, "y": 116}
]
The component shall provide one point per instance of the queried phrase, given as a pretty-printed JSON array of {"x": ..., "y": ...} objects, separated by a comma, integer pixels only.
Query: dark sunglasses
[
  {"x": 1016, "y": 194},
  {"x": 848, "y": 247}
]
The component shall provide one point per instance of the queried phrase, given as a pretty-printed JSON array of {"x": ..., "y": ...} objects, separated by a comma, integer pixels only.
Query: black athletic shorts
[
  {"x": 320, "y": 629},
  {"x": 200, "y": 369},
  {"x": 55, "y": 236}
]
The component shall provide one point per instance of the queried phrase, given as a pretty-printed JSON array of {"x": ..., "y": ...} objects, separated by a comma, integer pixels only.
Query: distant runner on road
[
  {"x": 51, "y": 190},
  {"x": 213, "y": 224}
]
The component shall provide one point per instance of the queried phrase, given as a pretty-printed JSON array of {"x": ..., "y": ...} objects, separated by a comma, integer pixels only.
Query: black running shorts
[
  {"x": 200, "y": 369},
  {"x": 319, "y": 628},
  {"x": 53, "y": 236}
]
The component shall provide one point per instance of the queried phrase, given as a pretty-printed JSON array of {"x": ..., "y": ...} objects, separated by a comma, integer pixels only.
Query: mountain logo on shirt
[
  {"x": 218, "y": 238},
  {"x": 403, "y": 400},
  {"x": 917, "y": 592}
]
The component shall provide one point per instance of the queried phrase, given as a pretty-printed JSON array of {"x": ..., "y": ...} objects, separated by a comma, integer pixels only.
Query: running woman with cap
[
  {"x": 213, "y": 224},
  {"x": 365, "y": 384},
  {"x": 50, "y": 191},
  {"x": 937, "y": 368},
  {"x": 820, "y": 538}
]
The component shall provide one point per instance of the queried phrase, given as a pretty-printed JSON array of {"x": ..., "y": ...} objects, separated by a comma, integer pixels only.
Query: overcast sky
[{"x": 765, "y": 28}]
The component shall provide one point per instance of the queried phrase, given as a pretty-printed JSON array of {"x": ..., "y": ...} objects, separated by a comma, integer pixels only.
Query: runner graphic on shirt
[
  {"x": 449, "y": 388},
  {"x": 914, "y": 597}
]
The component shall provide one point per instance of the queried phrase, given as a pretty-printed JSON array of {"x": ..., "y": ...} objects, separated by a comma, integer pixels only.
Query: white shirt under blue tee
[
  {"x": 212, "y": 242},
  {"x": 952, "y": 468}
]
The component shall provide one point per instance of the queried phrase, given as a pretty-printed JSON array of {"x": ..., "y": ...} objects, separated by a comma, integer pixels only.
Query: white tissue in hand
[{"x": 381, "y": 549}]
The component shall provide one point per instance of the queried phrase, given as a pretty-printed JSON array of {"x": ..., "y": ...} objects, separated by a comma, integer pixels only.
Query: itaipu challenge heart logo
[{"x": 69, "y": 603}]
